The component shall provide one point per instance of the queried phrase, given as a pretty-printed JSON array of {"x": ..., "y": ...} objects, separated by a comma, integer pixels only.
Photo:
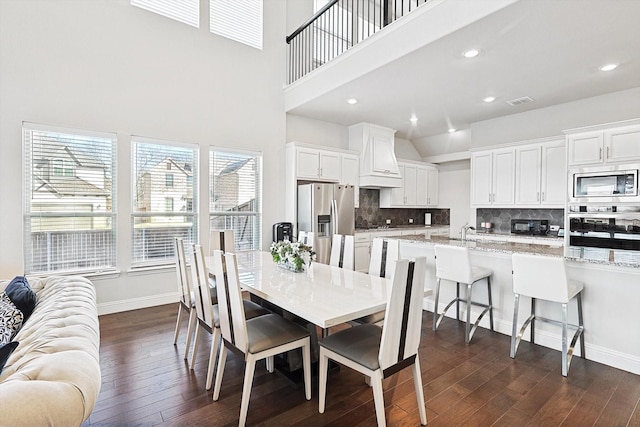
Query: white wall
[
  {"x": 454, "y": 193},
  {"x": 317, "y": 132},
  {"x": 540, "y": 123},
  {"x": 108, "y": 66}
]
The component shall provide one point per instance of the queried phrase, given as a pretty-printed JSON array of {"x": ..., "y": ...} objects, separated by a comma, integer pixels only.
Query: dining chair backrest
[
  {"x": 222, "y": 240},
  {"x": 542, "y": 277},
  {"x": 204, "y": 307},
  {"x": 384, "y": 254},
  {"x": 403, "y": 316},
  {"x": 230, "y": 307},
  {"x": 342, "y": 251},
  {"x": 181, "y": 272},
  {"x": 453, "y": 263}
]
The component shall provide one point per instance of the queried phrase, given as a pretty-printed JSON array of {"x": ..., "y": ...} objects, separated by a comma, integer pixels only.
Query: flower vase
[{"x": 291, "y": 267}]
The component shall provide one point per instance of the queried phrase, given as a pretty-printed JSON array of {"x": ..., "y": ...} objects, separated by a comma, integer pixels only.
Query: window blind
[
  {"x": 239, "y": 20},
  {"x": 235, "y": 196},
  {"x": 185, "y": 11},
  {"x": 69, "y": 200},
  {"x": 164, "y": 205}
]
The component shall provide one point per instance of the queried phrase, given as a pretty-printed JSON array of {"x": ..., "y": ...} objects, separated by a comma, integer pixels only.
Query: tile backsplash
[
  {"x": 369, "y": 213},
  {"x": 501, "y": 218}
]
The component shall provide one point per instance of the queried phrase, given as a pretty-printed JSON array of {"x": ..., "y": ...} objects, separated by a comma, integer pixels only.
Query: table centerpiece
[{"x": 292, "y": 256}]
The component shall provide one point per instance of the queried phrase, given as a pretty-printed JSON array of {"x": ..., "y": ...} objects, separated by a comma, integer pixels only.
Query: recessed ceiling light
[
  {"x": 471, "y": 53},
  {"x": 608, "y": 67},
  {"x": 352, "y": 101},
  {"x": 413, "y": 119},
  {"x": 452, "y": 130},
  {"x": 489, "y": 99}
]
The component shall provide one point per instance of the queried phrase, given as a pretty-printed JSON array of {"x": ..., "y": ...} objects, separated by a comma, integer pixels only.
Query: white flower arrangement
[{"x": 292, "y": 255}]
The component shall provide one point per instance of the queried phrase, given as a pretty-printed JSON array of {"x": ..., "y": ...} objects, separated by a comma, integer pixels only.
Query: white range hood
[{"x": 378, "y": 163}]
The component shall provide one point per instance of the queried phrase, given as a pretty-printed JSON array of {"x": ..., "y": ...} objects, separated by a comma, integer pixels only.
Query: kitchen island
[{"x": 610, "y": 298}]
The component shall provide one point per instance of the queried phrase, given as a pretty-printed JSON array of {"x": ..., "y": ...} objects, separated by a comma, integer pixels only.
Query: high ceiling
[{"x": 548, "y": 50}]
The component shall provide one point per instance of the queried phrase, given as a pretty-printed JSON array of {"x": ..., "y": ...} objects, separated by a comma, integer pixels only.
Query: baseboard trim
[
  {"x": 626, "y": 362},
  {"x": 137, "y": 303}
]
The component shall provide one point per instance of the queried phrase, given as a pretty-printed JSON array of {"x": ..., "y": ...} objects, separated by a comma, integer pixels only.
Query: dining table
[{"x": 321, "y": 294}]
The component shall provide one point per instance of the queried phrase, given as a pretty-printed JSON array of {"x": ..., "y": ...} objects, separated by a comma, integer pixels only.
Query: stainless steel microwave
[{"x": 617, "y": 184}]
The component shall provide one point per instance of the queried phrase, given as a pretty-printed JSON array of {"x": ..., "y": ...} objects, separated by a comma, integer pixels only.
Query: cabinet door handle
[
  {"x": 543, "y": 196},
  {"x": 538, "y": 197},
  {"x": 608, "y": 152},
  {"x": 600, "y": 157}
]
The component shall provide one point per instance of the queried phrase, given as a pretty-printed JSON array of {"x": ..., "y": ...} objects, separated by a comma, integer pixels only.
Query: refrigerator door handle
[{"x": 334, "y": 217}]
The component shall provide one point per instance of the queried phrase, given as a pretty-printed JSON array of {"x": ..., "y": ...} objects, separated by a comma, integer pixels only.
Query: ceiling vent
[{"x": 520, "y": 101}]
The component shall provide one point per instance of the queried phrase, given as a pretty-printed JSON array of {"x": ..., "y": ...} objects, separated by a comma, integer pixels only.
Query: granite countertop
[{"x": 506, "y": 247}]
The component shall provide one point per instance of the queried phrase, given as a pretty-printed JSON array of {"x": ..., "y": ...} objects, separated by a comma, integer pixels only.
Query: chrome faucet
[{"x": 464, "y": 229}]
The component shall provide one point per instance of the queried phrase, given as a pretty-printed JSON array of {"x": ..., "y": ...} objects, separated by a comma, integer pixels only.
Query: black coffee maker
[{"x": 282, "y": 231}]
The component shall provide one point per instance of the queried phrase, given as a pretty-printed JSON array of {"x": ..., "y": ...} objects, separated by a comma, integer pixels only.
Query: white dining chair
[
  {"x": 379, "y": 352},
  {"x": 259, "y": 338},
  {"x": 186, "y": 304},
  {"x": 545, "y": 278},
  {"x": 342, "y": 251},
  {"x": 222, "y": 240},
  {"x": 207, "y": 312},
  {"x": 384, "y": 254},
  {"x": 453, "y": 264}
]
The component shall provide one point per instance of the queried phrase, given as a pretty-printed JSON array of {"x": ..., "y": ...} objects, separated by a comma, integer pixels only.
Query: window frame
[
  {"x": 138, "y": 261},
  {"x": 58, "y": 212},
  {"x": 257, "y": 214}
]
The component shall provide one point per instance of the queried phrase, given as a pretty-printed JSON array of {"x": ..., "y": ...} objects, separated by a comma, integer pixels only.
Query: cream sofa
[{"x": 53, "y": 376}]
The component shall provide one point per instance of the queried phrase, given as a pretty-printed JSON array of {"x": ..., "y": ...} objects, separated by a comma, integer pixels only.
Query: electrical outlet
[
  {"x": 410, "y": 220},
  {"x": 388, "y": 221}
]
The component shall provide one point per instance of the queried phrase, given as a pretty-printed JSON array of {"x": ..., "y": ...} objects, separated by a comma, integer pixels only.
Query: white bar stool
[
  {"x": 545, "y": 277},
  {"x": 453, "y": 264}
]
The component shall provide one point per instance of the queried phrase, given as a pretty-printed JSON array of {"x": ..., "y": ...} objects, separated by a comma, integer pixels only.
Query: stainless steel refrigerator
[{"x": 325, "y": 210}]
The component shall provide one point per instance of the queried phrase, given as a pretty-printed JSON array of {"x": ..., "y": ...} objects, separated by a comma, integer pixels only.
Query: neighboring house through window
[
  {"x": 164, "y": 204},
  {"x": 235, "y": 201},
  {"x": 69, "y": 200}
]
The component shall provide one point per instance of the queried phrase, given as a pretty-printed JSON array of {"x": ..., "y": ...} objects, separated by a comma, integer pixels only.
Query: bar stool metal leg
[
  {"x": 514, "y": 327},
  {"x": 580, "y": 324},
  {"x": 467, "y": 327},
  {"x": 435, "y": 307},
  {"x": 458, "y": 301},
  {"x": 490, "y": 302}
]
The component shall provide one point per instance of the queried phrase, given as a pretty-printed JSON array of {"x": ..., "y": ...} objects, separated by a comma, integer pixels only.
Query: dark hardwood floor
[{"x": 145, "y": 381}]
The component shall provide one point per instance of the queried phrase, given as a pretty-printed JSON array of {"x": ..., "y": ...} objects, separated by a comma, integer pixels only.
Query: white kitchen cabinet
[
  {"x": 540, "y": 177},
  {"x": 349, "y": 175},
  {"x": 622, "y": 144},
  {"x": 419, "y": 187},
  {"x": 321, "y": 165},
  {"x": 362, "y": 243},
  {"x": 492, "y": 177},
  {"x": 553, "y": 177},
  {"x": 528, "y": 169},
  {"x": 604, "y": 145},
  {"x": 432, "y": 186}
]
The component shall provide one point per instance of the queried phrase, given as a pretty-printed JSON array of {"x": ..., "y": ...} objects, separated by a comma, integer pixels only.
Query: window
[
  {"x": 235, "y": 200},
  {"x": 161, "y": 211},
  {"x": 69, "y": 200},
  {"x": 168, "y": 204},
  {"x": 239, "y": 20},
  {"x": 185, "y": 11}
]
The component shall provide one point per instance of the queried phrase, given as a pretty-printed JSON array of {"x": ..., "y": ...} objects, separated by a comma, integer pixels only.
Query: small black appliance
[
  {"x": 530, "y": 226},
  {"x": 282, "y": 231}
]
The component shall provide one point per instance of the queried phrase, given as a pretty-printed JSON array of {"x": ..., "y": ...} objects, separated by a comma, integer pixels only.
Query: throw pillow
[
  {"x": 22, "y": 295},
  {"x": 5, "y": 352},
  {"x": 11, "y": 319}
]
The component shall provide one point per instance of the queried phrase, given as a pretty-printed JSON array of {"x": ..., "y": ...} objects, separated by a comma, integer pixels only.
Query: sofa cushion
[
  {"x": 22, "y": 295},
  {"x": 5, "y": 352},
  {"x": 11, "y": 319}
]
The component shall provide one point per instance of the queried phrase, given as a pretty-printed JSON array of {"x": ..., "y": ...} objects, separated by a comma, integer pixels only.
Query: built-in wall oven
[
  {"x": 605, "y": 232},
  {"x": 605, "y": 184}
]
